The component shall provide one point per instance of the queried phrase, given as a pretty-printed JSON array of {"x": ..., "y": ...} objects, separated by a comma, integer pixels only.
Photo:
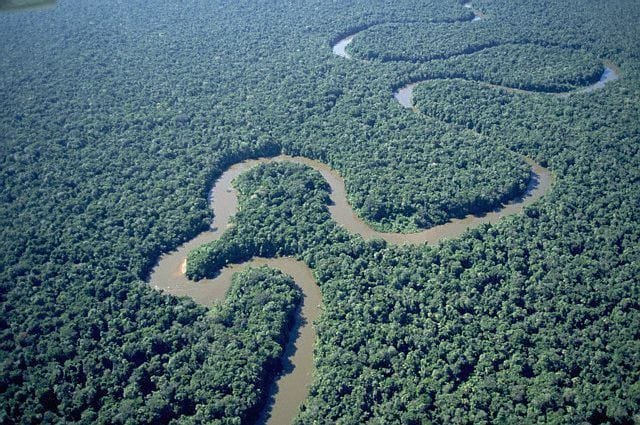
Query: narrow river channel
[{"x": 404, "y": 95}]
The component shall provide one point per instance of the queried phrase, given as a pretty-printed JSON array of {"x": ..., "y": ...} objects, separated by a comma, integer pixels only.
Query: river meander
[
  {"x": 289, "y": 391},
  {"x": 291, "y": 388},
  {"x": 404, "y": 95}
]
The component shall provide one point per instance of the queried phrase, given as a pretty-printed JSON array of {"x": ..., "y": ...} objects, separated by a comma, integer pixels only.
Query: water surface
[
  {"x": 609, "y": 75},
  {"x": 340, "y": 47},
  {"x": 290, "y": 390},
  {"x": 404, "y": 95},
  {"x": 15, "y": 5}
]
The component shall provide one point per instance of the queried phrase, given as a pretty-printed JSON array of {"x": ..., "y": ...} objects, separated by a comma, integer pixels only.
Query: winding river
[
  {"x": 340, "y": 47},
  {"x": 404, "y": 95},
  {"x": 291, "y": 388}
]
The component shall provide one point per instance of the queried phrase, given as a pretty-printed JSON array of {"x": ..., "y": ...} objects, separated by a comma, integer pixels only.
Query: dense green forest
[
  {"x": 118, "y": 116},
  {"x": 500, "y": 56},
  {"x": 282, "y": 211}
]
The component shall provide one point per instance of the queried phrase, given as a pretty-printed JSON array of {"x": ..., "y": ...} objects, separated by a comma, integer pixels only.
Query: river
[
  {"x": 340, "y": 47},
  {"x": 404, "y": 95},
  {"x": 292, "y": 387}
]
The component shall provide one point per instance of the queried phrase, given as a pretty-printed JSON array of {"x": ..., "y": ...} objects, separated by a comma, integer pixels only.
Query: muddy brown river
[{"x": 291, "y": 388}]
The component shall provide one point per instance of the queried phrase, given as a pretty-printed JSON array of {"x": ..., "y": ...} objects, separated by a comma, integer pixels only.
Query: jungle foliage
[
  {"x": 117, "y": 117},
  {"x": 282, "y": 212},
  {"x": 500, "y": 57}
]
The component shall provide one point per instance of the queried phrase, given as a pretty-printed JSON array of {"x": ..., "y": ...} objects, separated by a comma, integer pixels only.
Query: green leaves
[{"x": 101, "y": 172}]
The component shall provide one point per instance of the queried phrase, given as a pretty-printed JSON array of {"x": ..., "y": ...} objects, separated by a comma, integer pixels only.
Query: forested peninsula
[{"x": 118, "y": 118}]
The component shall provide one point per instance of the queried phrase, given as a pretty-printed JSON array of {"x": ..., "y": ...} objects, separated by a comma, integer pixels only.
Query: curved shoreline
[
  {"x": 291, "y": 388},
  {"x": 339, "y": 47},
  {"x": 403, "y": 94},
  {"x": 226, "y": 203}
]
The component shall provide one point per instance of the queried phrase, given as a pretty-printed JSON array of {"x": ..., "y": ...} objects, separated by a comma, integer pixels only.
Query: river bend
[
  {"x": 404, "y": 94},
  {"x": 291, "y": 388}
]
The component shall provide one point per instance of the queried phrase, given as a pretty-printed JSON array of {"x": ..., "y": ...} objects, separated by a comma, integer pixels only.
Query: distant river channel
[{"x": 404, "y": 95}]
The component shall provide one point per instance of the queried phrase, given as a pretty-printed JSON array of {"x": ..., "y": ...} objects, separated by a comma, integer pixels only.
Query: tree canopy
[{"x": 116, "y": 119}]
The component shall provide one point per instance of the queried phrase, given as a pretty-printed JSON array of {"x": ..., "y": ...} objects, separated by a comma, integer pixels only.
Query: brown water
[
  {"x": 290, "y": 390},
  {"x": 346, "y": 217},
  {"x": 404, "y": 95}
]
